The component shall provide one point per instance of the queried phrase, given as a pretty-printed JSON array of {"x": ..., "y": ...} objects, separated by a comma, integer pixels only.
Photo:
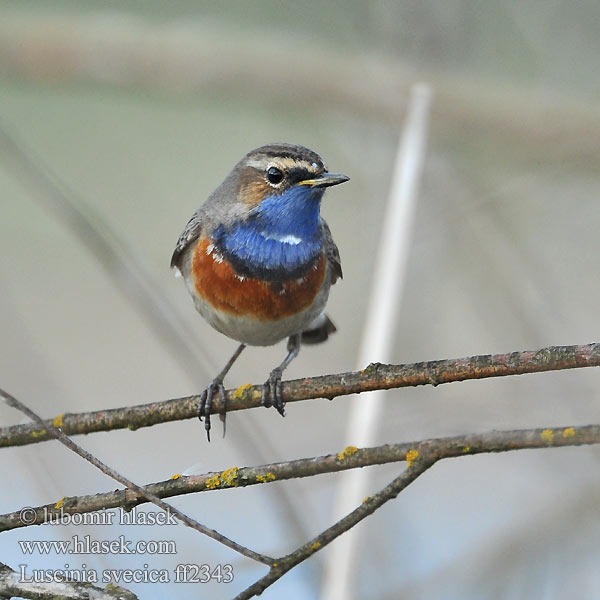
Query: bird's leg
[
  {"x": 216, "y": 386},
  {"x": 271, "y": 395}
]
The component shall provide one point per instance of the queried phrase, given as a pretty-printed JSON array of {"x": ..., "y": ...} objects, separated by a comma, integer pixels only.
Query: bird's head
[
  {"x": 270, "y": 208},
  {"x": 278, "y": 187},
  {"x": 281, "y": 174}
]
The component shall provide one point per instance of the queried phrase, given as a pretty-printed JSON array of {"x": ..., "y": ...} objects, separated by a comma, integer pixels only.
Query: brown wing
[
  {"x": 332, "y": 253},
  {"x": 190, "y": 233}
]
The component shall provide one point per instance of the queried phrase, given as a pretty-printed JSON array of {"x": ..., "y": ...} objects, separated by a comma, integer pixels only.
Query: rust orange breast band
[{"x": 216, "y": 281}]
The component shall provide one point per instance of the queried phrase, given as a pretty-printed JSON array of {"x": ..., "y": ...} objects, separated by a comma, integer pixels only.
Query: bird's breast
[{"x": 217, "y": 282}]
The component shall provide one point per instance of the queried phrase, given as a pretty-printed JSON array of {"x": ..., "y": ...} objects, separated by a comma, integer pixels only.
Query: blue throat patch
[{"x": 281, "y": 239}]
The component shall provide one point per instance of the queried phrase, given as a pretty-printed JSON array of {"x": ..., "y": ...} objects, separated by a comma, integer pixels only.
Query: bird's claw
[
  {"x": 205, "y": 405},
  {"x": 271, "y": 395}
]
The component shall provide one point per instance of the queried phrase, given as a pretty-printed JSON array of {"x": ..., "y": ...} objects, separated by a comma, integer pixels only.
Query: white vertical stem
[{"x": 380, "y": 331}]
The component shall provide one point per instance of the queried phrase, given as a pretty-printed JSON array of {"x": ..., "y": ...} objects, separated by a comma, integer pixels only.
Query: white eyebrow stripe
[
  {"x": 264, "y": 162},
  {"x": 256, "y": 163}
]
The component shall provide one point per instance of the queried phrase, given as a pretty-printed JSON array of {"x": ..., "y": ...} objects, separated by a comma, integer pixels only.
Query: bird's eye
[{"x": 274, "y": 175}]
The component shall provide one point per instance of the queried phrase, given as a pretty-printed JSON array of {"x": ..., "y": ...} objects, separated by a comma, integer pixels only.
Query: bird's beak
[{"x": 325, "y": 180}]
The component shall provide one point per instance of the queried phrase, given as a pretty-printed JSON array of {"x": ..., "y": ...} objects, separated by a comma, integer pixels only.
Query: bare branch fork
[
  {"x": 63, "y": 439},
  {"x": 375, "y": 377}
]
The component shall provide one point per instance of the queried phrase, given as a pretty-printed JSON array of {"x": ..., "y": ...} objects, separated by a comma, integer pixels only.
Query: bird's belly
[{"x": 252, "y": 310}]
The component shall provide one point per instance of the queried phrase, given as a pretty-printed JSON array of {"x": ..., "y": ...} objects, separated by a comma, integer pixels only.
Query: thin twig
[
  {"x": 375, "y": 377},
  {"x": 63, "y": 439},
  {"x": 349, "y": 458}
]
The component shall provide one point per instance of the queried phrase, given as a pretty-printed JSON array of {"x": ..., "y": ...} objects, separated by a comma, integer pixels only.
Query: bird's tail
[{"x": 318, "y": 331}]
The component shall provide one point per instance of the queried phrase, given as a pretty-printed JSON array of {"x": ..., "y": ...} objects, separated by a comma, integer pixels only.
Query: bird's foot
[
  {"x": 272, "y": 395},
  {"x": 205, "y": 405}
]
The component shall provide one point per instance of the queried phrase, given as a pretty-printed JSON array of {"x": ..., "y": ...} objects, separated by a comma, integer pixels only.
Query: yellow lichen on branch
[
  {"x": 411, "y": 456},
  {"x": 348, "y": 451},
  {"x": 266, "y": 478},
  {"x": 240, "y": 393},
  {"x": 547, "y": 435},
  {"x": 213, "y": 482},
  {"x": 229, "y": 477}
]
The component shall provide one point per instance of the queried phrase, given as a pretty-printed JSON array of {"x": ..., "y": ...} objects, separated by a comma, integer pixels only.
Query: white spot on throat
[{"x": 289, "y": 239}]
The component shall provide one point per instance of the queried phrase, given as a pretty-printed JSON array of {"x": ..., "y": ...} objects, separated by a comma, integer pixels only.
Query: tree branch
[
  {"x": 419, "y": 456},
  {"x": 375, "y": 377},
  {"x": 350, "y": 458}
]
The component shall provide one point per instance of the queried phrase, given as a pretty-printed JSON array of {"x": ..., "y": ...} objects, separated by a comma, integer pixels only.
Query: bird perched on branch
[{"x": 258, "y": 259}]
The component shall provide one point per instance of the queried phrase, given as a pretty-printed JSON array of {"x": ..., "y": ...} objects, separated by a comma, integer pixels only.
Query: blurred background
[{"x": 139, "y": 109}]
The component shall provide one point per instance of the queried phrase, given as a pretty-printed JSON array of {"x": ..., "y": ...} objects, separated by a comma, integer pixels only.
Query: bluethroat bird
[{"x": 258, "y": 259}]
